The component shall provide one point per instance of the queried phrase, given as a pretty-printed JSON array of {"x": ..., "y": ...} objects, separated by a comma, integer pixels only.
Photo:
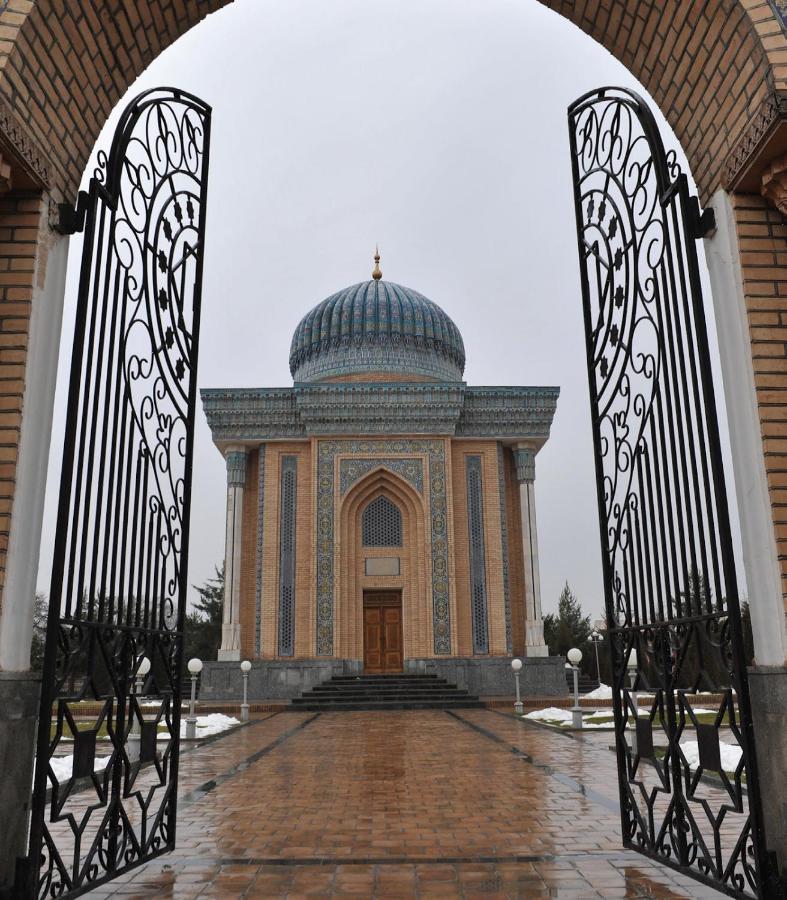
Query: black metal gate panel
[
  {"x": 685, "y": 745},
  {"x": 111, "y": 690}
]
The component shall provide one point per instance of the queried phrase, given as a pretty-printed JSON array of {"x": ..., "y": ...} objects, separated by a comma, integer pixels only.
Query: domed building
[{"x": 380, "y": 512}]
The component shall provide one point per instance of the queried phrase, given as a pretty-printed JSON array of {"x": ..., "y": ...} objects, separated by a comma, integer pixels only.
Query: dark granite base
[
  {"x": 19, "y": 693},
  {"x": 768, "y": 690},
  {"x": 282, "y": 680},
  {"x": 270, "y": 679},
  {"x": 492, "y": 677}
]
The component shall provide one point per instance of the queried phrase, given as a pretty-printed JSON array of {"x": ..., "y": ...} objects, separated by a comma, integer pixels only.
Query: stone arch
[
  {"x": 715, "y": 69},
  {"x": 711, "y": 67},
  {"x": 705, "y": 65},
  {"x": 414, "y": 579}
]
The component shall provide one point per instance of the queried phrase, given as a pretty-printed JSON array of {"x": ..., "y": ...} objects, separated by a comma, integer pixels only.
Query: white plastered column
[
  {"x": 24, "y": 543},
  {"x": 236, "y": 480},
  {"x": 760, "y": 557},
  {"x": 525, "y": 457}
]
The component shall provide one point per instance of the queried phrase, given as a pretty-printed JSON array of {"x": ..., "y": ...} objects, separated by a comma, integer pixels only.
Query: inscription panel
[{"x": 382, "y": 565}]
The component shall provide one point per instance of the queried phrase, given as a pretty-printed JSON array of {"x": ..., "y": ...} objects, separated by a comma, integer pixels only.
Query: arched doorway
[{"x": 385, "y": 542}]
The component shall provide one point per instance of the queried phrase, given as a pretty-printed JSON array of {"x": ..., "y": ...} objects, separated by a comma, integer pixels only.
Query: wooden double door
[{"x": 382, "y": 631}]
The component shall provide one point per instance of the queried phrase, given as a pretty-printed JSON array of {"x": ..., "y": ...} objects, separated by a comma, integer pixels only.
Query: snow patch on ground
[
  {"x": 730, "y": 755},
  {"x": 213, "y": 723},
  {"x": 602, "y": 692},
  {"x": 551, "y": 713},
  {"x": 63, "y": 766}
]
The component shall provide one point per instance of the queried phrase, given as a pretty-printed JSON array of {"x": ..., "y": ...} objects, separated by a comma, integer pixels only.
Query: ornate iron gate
[
  {"x": 116, "y": 606},
  {"x": 688, "y": 798}
]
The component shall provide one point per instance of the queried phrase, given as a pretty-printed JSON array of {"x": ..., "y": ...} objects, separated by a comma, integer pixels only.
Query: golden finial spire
[{"x": 377, "y": 271}]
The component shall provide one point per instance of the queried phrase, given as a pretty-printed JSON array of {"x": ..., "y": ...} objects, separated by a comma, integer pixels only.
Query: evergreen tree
[
  {"x": 569, "y": 628},
  {"x": 40, "y": 616},
  {"x": 202, "y": 631}
]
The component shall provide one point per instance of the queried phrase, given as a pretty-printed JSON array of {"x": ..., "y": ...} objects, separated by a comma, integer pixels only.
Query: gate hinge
[
  {"x": 703, "y": 224},
  {"x": 72, "y": 219}
]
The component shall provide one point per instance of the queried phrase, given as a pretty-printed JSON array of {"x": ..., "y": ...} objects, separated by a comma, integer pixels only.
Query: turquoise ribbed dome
[{"x": 377, "y": 327}]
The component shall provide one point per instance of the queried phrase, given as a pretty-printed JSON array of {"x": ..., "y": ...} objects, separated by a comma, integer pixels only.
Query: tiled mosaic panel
[
  {"x": 352, "y": 470},
  {"x": 435, "y": 453}
]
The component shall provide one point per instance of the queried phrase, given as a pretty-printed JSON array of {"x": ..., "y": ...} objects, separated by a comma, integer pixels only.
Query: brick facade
[
  {"x": 762, "y": 235},
  {"x": 415, "y": 578},
  {"x": 21, "y": 232},
  {"x": 712, "y": 68}
]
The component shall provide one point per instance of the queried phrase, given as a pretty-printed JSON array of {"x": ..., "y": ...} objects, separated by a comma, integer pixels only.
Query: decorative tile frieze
[
  {"x": 525, "y": 459},
  {"x": 371, "y": 356},
  {"x": 287, "y": 542},
  {"x": 475, "y": 522},
  {"x": 507, "y": 412},
  {"x": 434, "y": 450},
  {"x": 501, "y": 481},
  {"x": 380, "y": 408},
  {"x": 352, "y": 470},
  {"x": 260, "y": 536},
  {"x": 449, "y": 408},
  {"x": 252, "y": 415},
  {"x": 236, "y": 468}
]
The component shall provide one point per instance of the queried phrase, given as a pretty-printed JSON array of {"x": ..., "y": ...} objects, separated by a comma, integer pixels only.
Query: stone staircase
[{"x": 400, "y": 691}]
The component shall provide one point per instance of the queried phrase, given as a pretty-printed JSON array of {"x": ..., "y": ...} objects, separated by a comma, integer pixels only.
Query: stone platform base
[
  {"x": 19, "y": 694},
  {"x": 282, "y": 680},
  {"x": 540, "y": 676},
  {"x": 271, "y": 679},
  {"x": 768, "y": 691}
]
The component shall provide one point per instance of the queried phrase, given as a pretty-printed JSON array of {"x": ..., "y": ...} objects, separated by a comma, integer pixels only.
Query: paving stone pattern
[{"x": 469, "y": 803}]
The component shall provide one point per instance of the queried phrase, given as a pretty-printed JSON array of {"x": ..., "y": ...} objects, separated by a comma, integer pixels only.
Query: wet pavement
[{"x": 470, "y": 803}]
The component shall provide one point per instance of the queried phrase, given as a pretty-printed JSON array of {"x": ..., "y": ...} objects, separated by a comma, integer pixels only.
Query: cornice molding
[
  {"x": 16, "y": 142},
  {"x": 365, "y": 408},
  {"x": 760, "y": 141}
]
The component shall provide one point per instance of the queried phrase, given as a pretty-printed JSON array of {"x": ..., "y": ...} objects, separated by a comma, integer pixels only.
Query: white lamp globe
[
  {"x": 144, "y": 666},
  {"x": 245, "y": 666},
  {"x": 516, "y": 664},
  {"x": 195, "y": 666},
  {"x": 574, "y": 656},
  {"x": 632, "y": 660}
]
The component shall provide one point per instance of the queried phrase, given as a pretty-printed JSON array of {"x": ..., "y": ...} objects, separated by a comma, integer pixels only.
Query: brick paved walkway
[{"x": 399, "y": 804}]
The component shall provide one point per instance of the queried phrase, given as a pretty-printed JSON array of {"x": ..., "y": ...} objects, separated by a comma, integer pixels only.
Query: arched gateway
[
  {"x": 716, "y": 71},
  {"x": 380, "y": 474}
]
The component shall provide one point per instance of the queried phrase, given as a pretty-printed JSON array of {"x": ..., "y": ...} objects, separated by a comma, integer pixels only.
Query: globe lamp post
[
  {"x": 597, "y": 639},
  {"x": 516, "y": 665},
  {"x": 245, "y": 668},
  {"x": 575, "y": 658},
  {"x": 631, "y": 668},
  {"x": 194, "y": 667},
  {"x": 136, "y": 734}
]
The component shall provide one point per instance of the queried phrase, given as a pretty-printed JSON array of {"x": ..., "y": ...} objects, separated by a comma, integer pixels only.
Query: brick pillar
[
  {"x": 236, "y": 480},
  {"x": 525, "y": 458}
]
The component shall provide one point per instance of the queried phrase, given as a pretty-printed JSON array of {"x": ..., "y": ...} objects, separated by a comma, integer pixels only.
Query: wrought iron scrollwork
[
  {"x": 687, "y": 770},
  {"x": 119, "y": 575}
]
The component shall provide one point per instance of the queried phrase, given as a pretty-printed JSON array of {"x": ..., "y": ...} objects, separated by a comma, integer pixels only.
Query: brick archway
[
  {"x": 716, "y": 69},
  {"x": 711, "y": 67}
]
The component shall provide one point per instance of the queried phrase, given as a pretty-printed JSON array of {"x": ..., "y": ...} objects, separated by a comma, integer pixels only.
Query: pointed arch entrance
[{"x": 384, "y": 583}]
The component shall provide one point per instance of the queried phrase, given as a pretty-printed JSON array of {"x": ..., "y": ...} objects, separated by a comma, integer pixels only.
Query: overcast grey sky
[{"x": 436, "y": 129}]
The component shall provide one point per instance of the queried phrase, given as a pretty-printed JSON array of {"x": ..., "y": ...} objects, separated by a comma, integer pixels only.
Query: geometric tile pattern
[{"x": 326, "y": 456}]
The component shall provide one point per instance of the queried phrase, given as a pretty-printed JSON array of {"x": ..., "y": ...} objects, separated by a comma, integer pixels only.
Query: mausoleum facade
[{"x": 381, "y": 512}]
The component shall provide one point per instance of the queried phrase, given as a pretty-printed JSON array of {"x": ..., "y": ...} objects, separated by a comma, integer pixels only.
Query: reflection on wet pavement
[{"x": 400, "y": 804}]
